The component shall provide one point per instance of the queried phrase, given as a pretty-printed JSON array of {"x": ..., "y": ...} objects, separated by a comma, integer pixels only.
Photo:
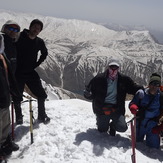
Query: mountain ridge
[{"x": 78, "y": 50}]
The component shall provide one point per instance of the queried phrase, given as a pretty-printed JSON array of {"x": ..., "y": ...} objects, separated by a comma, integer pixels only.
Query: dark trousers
[
  {"x": 32, "y": 80},
  {"x": 118, "y": 122}
]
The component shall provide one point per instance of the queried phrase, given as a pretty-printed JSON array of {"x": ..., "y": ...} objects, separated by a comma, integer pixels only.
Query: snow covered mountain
[{"x": 78, "y": 50}]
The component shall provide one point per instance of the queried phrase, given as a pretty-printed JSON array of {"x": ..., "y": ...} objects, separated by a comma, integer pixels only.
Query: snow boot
[
  {"x": 112, "y": 131},
  {"x": 45, "y": 119},
  {"x": 11, "y": 143},
  {"x": 8, "y": 146},
  {"x": 5, "y": 151},
  {"x": 42, "y": 116},
  {"x": 2, "y": 159}
]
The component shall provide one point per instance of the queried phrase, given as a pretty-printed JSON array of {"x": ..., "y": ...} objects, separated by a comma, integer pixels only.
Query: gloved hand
[
  {"x": 140, "y": 93},
  {"x": 133, "y": 108},
  {"x": 88, "y": 94},
  {"x": 157, "y": 129}
]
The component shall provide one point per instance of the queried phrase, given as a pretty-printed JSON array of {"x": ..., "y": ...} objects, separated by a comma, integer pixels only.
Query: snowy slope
[{"x": 71, "y": 137}]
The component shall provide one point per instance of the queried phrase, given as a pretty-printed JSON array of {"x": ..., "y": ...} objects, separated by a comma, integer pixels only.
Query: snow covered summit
[{"x": 72, "y": 137}]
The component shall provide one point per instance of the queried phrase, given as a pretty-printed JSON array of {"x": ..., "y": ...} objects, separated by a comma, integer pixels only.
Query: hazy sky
[{"x": 126, "y": 12}]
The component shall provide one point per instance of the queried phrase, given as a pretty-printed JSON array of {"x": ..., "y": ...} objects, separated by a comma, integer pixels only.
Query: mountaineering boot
[
  {"x": 18, "y": 113},
  {"x": 8, "y": 146},
  {"x": 11, "y": 143},
  {"x": 2, "y": 159},
  {"x": 42, "y": 116},
  {"x": 112, "y": 131},
  {"x": 44, "y": 119},
  {"x": 3, "y": 156}
]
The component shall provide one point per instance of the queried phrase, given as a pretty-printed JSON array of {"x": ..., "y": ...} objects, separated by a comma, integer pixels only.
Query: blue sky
[{"x": 125, "y": 12}]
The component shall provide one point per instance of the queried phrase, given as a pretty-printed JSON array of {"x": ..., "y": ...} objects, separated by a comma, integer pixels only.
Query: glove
[
  {"x": 133, "y": 108},
  {"x": 87, "y": 94},
  {"x": 140, "y": 93},
  {"x": 157, "y": 129}
]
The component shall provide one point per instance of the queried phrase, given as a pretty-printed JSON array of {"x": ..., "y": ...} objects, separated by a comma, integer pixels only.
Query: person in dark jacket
[
  {"x": 28, "y": 46},
  {"x": 147, "y": 104},
  {"x": 7, "y": 86},
  {"x": 10, "y": 32},
  {"x": 108, "y": 91}
]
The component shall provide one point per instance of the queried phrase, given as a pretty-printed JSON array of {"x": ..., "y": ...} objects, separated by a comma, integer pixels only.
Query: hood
[{"x": 9, "y": 22}]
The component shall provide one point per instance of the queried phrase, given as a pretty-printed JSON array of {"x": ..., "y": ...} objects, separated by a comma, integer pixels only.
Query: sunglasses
[
  {"x": 13, "y": 29},
  {"x": 156, "y": 84}
]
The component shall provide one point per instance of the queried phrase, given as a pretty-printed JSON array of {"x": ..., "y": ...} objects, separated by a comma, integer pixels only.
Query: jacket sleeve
[
  {"x": 132, "y": 87},
  {"x": 44, "y": 53},
  {"x": 135, "y": 100},
  {"x": 14, "y": 90},
  {"x": 88, "y": 91}
]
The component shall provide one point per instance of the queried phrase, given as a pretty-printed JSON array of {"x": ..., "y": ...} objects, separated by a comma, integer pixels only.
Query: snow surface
[{"x": 72, "y": 137}]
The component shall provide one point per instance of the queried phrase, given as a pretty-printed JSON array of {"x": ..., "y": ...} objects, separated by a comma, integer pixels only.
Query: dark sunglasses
[
  {"x": 156, "y": 84},
  {"x": 114, "y": 67},
  {"x": 13, "y": 29}
]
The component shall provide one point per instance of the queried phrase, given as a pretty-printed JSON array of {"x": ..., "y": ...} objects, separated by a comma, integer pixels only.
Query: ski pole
[
  {"x": 133, "y": 139},
  {"x": 12, "y": 120}
]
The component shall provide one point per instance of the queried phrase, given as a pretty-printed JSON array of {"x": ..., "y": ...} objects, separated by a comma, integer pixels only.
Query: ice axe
[{"x": 31, "y": 116}]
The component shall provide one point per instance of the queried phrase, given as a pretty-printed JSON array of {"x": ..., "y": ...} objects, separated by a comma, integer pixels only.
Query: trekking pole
[
  {"x": 133, "y": 139},
  {"x": 31, "y": 116},
  {"x": 12, "y": 120}
]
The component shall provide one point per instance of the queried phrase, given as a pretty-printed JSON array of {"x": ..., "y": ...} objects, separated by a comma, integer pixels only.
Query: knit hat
[
  {"x": 155, "y": 78},
  {"x": 10, "y": 22},
  {"x": 114, "y": 62}
]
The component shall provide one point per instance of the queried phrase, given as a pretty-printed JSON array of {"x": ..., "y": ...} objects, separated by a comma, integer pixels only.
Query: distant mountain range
[
  {"x": 156, "y": 33},
  {"x": 78, "y": 50}
]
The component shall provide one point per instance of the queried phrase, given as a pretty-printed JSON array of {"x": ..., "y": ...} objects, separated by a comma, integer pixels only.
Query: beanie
[
  {"x": 9, "y": 22},
  {"x": 36, "y": 21},
  {"x": 155, "y": 78}
]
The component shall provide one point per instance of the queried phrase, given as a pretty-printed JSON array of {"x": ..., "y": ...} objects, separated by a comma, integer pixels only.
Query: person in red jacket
[{"x": 108, "y": 91}]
